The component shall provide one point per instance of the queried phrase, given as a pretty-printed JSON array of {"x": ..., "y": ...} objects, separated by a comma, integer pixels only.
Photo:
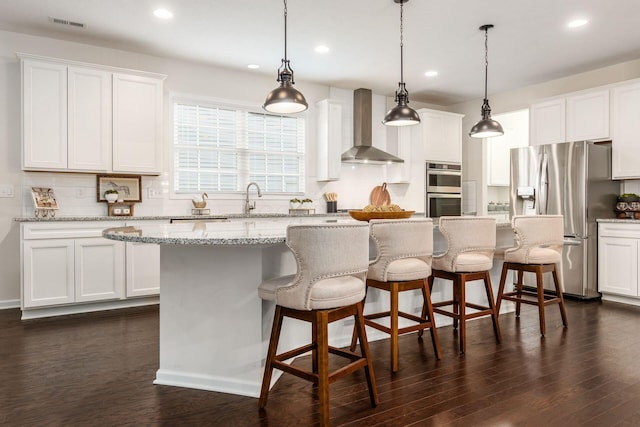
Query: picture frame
[
  {"x": 129, "y": 187},
  {"x": 44, "y": 198}
]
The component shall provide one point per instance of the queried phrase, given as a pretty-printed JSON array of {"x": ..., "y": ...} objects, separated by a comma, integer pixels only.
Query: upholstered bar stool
[
  {"x": 540, "y": 239},
  {"x": 332, "y": 262},
  {"x": 471, "y": 242},
  {"x": 403, "y": 263}
]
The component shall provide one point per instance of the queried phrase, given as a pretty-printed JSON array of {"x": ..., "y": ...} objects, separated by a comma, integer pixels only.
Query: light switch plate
[
  {"x": 154, "y": 193},
  {"x": 6, "y": 190}
]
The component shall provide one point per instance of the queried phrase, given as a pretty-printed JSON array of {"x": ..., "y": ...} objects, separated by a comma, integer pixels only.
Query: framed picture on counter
[
  {"x": 129, "y": 187},
  {"x": 45, "y": 202}
]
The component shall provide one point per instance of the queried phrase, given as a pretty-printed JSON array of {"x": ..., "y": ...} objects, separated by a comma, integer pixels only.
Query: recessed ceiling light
[
  {"x": 431, "y": 73},
  {"x": 577, "y": 23},
  {"x": 253, "y": 66},
  {"x": 322, "y": 49},
  {"x": 163, "y": 14}
]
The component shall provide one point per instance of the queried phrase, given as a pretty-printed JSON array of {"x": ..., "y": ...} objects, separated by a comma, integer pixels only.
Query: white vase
[{"x": 111, "y": 197}]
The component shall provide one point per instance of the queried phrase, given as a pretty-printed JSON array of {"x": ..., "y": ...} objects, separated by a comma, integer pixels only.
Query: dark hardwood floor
[{"x": 97, "y": 370}]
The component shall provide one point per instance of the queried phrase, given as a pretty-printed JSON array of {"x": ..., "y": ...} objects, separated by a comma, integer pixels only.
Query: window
[{"x": 222, "y": 149}]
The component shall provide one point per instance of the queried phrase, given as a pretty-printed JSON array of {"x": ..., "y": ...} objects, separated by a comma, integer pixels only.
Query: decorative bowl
[{"x": 361, "y": 215}]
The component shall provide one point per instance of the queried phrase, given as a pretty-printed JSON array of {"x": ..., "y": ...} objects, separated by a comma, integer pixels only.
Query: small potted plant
[
  {"x": 295, "y": 203},
  {"x": 111, "y": 195},
  {"x": 306, "y": 203}
]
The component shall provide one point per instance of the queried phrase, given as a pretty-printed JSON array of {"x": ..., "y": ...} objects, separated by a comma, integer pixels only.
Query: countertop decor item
[
  {"x": 45, "y": 202},
  {"x": 285, "y": 99},
  {"x": 380, "y": 196},
  {"x": 401, "y": 114},
  {"x": 362, "y": 215},
  {"x": 487, "y": 127},
  {"x": 200, "y": 202},
  {"x": 111, "y": 195},
  {"x": 128, "y": 187}
]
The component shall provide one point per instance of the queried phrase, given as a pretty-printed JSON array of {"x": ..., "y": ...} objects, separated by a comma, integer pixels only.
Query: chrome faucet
[{"x": 248, "y": 206}]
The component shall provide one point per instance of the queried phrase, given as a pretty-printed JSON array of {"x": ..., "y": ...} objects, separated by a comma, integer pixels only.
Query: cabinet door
[
  {"x": 401, "y": 172},
  {"x": 547, "y": 122},
  {"x": 625, "y": 128},
  {"x": 516, "y": 134},
  {"x": 329, "y": 139},
  {"x": 44, "y": 115},
  {"x": 89, "y": 111},
  {"x": 442, "y": 136},
  {"x": 143, "y": 269},
  {"x": 99, "y": 269},
  {"x": 618, "y": 265},
  {"x": 588, "y": 116},
  {"x": 47, "y": 272},
  {"x": 137, "y": 124}
]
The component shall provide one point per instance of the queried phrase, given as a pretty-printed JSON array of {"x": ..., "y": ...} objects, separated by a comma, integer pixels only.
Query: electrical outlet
[
  {"x": 6, "y": 190},
  {"x": 154, "y": 193}
]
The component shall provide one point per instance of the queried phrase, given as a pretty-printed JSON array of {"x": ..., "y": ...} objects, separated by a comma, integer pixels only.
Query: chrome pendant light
[
  {"x": 285, "y": 99},
  {"x": 486, "y": 128},
  {"x": 401, "y": 114}
]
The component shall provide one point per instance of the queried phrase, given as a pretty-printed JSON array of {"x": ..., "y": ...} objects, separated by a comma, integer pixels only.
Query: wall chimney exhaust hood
[{"x": 363, "y": 151}]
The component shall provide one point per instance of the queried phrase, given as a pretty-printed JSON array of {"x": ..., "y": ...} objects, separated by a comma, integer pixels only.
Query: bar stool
[
  {"x": 540, "y": 239},
  {"x": 403, "y": 263},
  {"x": 332, "y": 262},
  {"x": 471, "y": 242}
]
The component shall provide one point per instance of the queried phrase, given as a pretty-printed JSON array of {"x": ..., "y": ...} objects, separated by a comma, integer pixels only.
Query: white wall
[
  {"x": 521, "y": 98},
  {"x": 76, "y": 192}
]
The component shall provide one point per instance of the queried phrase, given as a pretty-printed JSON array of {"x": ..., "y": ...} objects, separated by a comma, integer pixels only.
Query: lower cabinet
[
  {"x": 69, "y": 263},
  {"x": 618, "y": 261}
]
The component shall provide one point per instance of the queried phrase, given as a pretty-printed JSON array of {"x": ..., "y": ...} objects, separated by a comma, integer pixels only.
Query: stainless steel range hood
[{"x": 363, "y": 151}]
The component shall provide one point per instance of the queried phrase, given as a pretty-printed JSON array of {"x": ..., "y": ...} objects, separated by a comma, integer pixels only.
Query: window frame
[{"x": 225, "y": 103}]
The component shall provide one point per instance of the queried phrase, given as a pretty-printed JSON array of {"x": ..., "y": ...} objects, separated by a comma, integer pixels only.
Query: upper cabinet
[
  {"x": 441, "y": 134},
  {"x": 329, "y": 139},
  {"x": 516, "y": 134},
  {"x": 574, "y": 117},
  {"x": 547, "y": 120},
  {"x": 625, "y": 131},
  {"x": 86, "y": 118}
]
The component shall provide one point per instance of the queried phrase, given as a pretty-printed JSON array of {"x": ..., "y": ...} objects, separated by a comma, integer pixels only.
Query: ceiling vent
[{"x": 65, "y": 22}]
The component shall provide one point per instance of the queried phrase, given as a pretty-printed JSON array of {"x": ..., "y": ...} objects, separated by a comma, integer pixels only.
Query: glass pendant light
[
  {"x": 486, "y": 128},
  {"x": 401, "y": 114},
  {"x": 285, "y": 99}
]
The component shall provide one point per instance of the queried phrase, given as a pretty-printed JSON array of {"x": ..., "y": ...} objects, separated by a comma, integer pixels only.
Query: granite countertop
[
  {"x": 236, "y": 233},
  {"x": 176, "y": 217},
  {"x": 619, "y": 221}
]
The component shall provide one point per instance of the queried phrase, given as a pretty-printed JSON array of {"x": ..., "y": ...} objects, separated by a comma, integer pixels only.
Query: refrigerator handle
[{"x": 543, "y": 193}]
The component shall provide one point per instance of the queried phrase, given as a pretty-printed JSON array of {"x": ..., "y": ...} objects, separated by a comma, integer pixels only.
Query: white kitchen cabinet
[
  {"x": 625, "y": 128},
  {"x": 516, "y": 134},
  {"x": 47, "y": 272},
  {"x": 44, "y": 115},
  {"x": 142, "y": 265},
  {"x": 99, "y": 269},
  {"x": 588, "y": 116},
  {"x": 137, "y": 124},
  {"x": 329, "y": 139},
  {"x": 618, "y": 261},
  {"x": 90, "y": 118},
  {"x": 400, "y": 173},
  {"x": 441, "y": 134},
  {"x": 547, "y": 122}
]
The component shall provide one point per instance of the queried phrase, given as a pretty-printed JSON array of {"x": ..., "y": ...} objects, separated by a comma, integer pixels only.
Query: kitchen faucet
[{"x": 248, "y": 206}]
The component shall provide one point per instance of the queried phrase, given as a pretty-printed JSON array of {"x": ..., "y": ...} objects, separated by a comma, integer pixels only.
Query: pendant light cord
[
  {"x": 486, "y": 59},
  {"x": 401, "y": 42},
  {"x": 285, "y": 30}
]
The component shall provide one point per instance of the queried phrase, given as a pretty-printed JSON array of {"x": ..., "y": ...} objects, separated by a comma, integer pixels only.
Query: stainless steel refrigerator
[{"x": 572, "y": 179}]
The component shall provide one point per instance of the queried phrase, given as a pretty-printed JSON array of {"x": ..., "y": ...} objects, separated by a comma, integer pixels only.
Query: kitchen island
[{"x": 214, "y": 329}]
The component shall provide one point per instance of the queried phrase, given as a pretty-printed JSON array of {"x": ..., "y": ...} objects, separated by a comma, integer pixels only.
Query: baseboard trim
[
  {"x": 37, "y": 313},
  {"x": 10, "y": 303}
]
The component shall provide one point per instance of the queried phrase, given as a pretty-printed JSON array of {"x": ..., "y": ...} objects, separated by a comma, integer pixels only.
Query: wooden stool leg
[
  {"x": 456, "y": 302},
  {"x": 492, "y": 305},
  {"x": 540, "y": 289},
  {"x": 503, "y": 281},
  {"x": 364, "y": 350},
  {"x": 519, "y": 291},
  {"x": 393, "y": 293},
  {"x": 426, "y": 295},
  {"x": 425, "y": 309},
  {"x": 314, "y": 352},
  {"x": 563, "y": 311},
  {"x": 271, "y": 354},
  {"x": 354, "y": 335},
  {"x": 461, "y": 283},
  {"x": 323, "y": 365}
]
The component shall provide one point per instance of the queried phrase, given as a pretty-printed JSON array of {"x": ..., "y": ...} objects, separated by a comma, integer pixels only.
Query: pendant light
[
  {"x": 285, "y": 99},
  {"x": 401, "y": 114},
  {"x": 486, "y": 128}
]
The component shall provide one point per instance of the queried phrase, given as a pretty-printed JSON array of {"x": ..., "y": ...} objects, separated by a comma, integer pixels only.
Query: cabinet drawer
[
  {"x": 53, "y": 230},
  {"x": 619, "y": 230}
]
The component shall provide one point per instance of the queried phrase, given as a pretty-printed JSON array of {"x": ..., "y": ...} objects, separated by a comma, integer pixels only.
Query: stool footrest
[{"x": 513, "y": 296}]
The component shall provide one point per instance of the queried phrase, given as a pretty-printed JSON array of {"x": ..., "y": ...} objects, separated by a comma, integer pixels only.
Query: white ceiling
[{"x": 529, "y": 44}]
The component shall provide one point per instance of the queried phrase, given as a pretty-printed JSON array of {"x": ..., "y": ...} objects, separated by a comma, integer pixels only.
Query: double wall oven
[{"x": 444, "y": 190}]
